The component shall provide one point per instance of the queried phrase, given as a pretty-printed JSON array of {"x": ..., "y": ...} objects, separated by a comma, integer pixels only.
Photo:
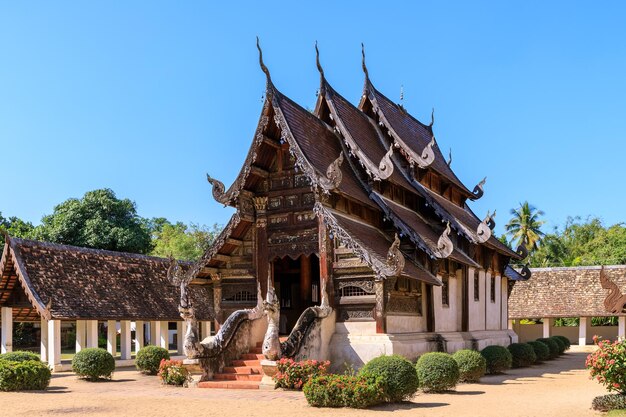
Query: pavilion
[{"x": 51, "y": 284}]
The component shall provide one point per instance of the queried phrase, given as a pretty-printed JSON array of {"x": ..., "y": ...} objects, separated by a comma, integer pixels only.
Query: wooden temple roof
[
  {"x": 565, "y": 292},
  {"x": 66, "y": 282}
]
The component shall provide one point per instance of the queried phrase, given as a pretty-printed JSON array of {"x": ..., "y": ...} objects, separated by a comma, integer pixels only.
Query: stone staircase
[{"x": 242, "y": 373}]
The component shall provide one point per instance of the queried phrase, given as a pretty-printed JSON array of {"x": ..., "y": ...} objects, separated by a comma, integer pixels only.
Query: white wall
[
  {"x": 446, "y": 317},
  {"x": 476, "y": 308},
  {"x": 492, "y": 308}
]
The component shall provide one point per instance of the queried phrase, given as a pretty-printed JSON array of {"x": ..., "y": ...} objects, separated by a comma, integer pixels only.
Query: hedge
[
  {"x": 24, "y": 375},
  {"x": 149, "y": 358},
  {"x": 20, "y": 356},
  {"x": 498, "y": 359},
  {"x": 559, "y": 343},
  {"x": 552, "y": 345},
  {"x": 472, "y": 365},
  {"x": 93, "y": 364},
  {"x": 522, "y": 354},
  {"x": 399, "y": 375},
  {"x": 542, "y": 351},
  {"x": 609, "y": 402},
  {"x": 437, "y": 372},
  {"x": 354, "y": 391},
  {"x": 565, "y": 341}
]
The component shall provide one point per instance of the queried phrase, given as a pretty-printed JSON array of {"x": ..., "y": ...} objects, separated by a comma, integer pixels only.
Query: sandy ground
[{"x": 557, "y": 388}]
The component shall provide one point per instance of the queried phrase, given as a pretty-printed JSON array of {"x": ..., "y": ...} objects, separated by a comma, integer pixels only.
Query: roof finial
[
  {"x": 317, "y": 61},
  {"x": 401, "y": 94},
  {"x": 450, "y": 157},
  {"x": 432, "y": 118},
  {"x": 363, "y": 61},
  {"x": 263, "y": 67}
]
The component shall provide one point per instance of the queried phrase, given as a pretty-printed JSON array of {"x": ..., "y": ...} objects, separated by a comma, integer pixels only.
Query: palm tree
[{"x": 525, "y": 225}]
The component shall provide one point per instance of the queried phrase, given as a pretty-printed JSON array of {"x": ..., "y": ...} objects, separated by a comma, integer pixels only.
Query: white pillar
[
  {"x": 81, "y": 335},
  {"x": 155, "y": 333},
  {"x": 125, "y": 340},
  {"x": 139, "y": 336},
  {"x": 111, "y": 337},
  {"x": 180, "y": 336},
  {"x": 164, "y": 341},
  {"x": 54, "y": 344},
  {"x": 621, "y": 327},
  {"x": 205, "y": 329},
  {"x": 43, "y": 343},
  {"x": 7, "y": 329},
  {"x": 582, "y": 331},
  {"x": 546, "y": 327},
  {"x": 91, "y": 328}
]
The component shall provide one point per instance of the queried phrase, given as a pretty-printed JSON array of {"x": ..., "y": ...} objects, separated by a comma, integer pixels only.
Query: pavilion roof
[
  {"x": 69, "y": 282},
  {"x": 564, "y": 292}
]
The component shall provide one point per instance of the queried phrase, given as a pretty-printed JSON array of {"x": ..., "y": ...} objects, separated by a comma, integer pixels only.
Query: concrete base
[
  {"x": 195, "y": 370},
  {"x": 269, "y": 370}
]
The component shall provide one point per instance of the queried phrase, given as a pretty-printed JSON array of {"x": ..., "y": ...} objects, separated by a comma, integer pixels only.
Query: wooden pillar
[
  {"x": 54, "y": 344},
  {"x": 621, "y": 327},
  {"x": 379, "y": 286},
  {"x": 125, "y": 339},
  {"x": 43, "y": 340},
  {"x": 81, "y": 335},
  {"x": 164, "y": 335},
  {"x": 217, "y": 299},
  {"x": 546, "y": 327},
  {"x": 92, "y": 333},
  {"x": 305, "y": 278},
  {"x": 262, "y": 264},
  {"x": 139, "y": 335},
  {"x": 582, "y": 331},
  {"x": 326, "y": 254},
  {"x": 7, "y": 329},
  {"x": 112, "y": 337},
  {"x": 180, "y": 336}
]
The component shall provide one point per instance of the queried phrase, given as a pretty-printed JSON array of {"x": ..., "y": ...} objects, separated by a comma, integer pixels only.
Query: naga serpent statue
[{"x": 271, "y": 342}]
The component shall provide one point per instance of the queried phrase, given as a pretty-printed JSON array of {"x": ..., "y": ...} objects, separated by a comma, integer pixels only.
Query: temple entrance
[{"x": 297, "y": 284}]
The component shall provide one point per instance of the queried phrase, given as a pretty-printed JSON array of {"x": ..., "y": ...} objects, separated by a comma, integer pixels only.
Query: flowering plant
[
  {"x": 172, "y": 372},
  {"x": 608, "y": 364},
  {"x": 293, "y": 375}
]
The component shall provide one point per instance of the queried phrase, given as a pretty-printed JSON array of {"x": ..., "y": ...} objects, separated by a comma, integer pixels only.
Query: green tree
[
  {"x": 98, "y": 220},
  {"x": 179, "y": 240},
  {"x": 525, "y": 225},
  {"x": 15, "y": 227}
]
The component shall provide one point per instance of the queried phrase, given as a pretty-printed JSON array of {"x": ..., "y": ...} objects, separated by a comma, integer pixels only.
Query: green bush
[
  {"x": 93, "y": 364},
  {"x": 559, "y": 343},
  {"x": 542, "y": 351},
  {"x": 437, "y": 372},
  {"x": 522, "y": 354},
  {"x": 293, "y": 375},
  {"x": 609, "y": 402},
  {"x": 472, "y": 365},
  {"x": 24, "y": 375},
  {"x": 399, "y": 376},
  {"x": 498, "y": 359},
  {"x": 552, "y": 345},
  {"x": 149, "y": 358},
  {"x": 565, "y": 341},
  {"x": 360, "y": 391},
  {"x": 20, "y": 356}
]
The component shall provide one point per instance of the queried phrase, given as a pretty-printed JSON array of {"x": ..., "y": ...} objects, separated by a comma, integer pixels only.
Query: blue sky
[{"x": 145, "y": 98}]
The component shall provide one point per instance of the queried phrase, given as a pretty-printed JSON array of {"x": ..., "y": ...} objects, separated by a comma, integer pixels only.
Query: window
[
  {"x": 242, "y": 296},
  {"x": 445, "y": 296},
  {"x": 352, "y": 291},
  {"x": 476, "y": 286},
  {"x": 493, "y": 289}
]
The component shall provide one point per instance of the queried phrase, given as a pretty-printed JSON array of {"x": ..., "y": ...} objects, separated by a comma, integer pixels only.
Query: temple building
[{"x": 353, "y": 225}]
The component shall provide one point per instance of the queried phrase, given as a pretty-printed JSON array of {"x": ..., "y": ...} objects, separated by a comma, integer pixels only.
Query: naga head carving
[
  {"x": 177, "y": 276},
  {"x": 395, "y": 258},
  {"x": 525, "y": 272},
  {"x": 428, "y": 155},
  {"x": 485, "y": 228},
  {"x": 385, "y": 167},
  {"x": 333, "y": 175},
  {"x": 444, "y": 244},
  {"x": 478, "y": 189},
  {"x": 219, "y": 190},
  {"x": 522, "y": 251}
]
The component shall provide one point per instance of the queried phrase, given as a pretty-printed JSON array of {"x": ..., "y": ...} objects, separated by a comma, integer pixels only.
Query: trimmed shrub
[
  {"x": 24, "y": 375},
  {"x": 608, "y": 364},
  {"x": 498, "y": 359},
  {"x": 565, "y": 341},
  {"x": 522, "y": 354},
  {"x": 552, "y": 345},
  {"x": 172, "y": 372},
  {"x": 437, "y": 372},
  {"x": 559, "y": 343},
  {"x": 609, "y": 402},
  {"x": 542, "y": 351},
  {"x": 293, "y": 375},
  {"x": 360, "y": 391},
  {"x": 93, "y": 364},
  {"x": 149, "y": 359},
  {"x": 20, "y": 356},
  {"x": 472, "y": 365},
  {"x": 399, "y": 376}
]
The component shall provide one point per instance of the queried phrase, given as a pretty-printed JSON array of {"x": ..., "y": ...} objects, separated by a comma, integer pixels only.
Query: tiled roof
[
  {"x": 68, "y": 282},
  {"x": 564, "y": 292}
]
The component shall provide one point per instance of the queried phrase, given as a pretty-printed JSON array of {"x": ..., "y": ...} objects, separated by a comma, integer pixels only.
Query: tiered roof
[{"x": 373, "y": 155}]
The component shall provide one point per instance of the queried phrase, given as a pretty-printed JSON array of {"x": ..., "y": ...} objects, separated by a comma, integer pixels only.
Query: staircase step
[
  {"x": 257, "y": 350},
  {"x": 237, "y": 377},
  {"x": 245, "y": 370},
  {"x": 246, "y": 362},
  {"x": 229, "y": 384},
  {"x": 252, "y": 356}
]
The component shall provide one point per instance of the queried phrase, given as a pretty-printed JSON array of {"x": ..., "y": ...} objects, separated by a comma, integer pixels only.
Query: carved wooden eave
[
  {"x": 13, "y": 251},
  {"x": 228, "y": 197},
  {"x": 377, "y": 172}
]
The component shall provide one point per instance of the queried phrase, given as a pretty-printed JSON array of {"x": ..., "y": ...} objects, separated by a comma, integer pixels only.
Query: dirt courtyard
[{"x": 556, "y": 388}]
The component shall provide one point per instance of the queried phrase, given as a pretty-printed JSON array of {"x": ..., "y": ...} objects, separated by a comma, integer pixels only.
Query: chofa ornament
[
  {"x": 484, "y": 230},
  {"x": 615, "y": 301},
  {"x": 444, "y": 244},
  {"x": 478, "y": 189}
]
